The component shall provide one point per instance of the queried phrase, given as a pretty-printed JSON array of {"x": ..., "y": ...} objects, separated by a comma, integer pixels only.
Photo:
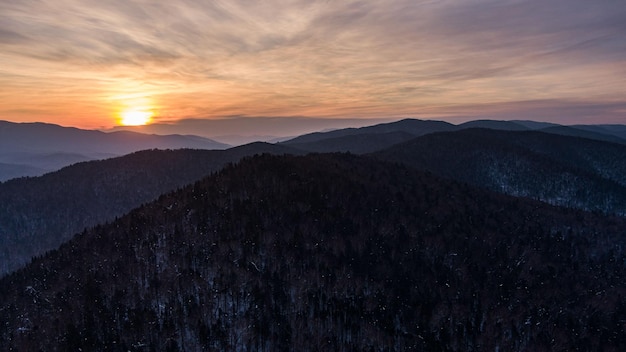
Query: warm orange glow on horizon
[
  {"x": 91, "y": 64},
  {"x": 134, "y": 108},
  {"x": 135, "y": 117}
]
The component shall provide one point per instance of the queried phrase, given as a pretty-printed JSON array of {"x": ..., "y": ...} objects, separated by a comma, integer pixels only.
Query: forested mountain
[
  {"x": 9, "y": 171},
  {"x": 562, "y": 170},
  {"x": 584, "y": 133},
  {"x": 534, "y": 125},
  {"x": 327, "y": 253},
  {"x": 616, "y": 130},
  {"x": 32, "y": 149},
  {"x": 355, "y": 143},
  {"x": 494, "y": 125},
  {"x": 384, "y": 135},
  {"x": 36, "y": 148},
  {"x": 38, "y": 214},
  {"x": 378, "y": 137}
]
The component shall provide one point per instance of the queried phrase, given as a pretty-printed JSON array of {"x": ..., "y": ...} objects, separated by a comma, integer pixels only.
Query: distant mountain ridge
[
  {"x": 378, "y": 137},
  {"x": 616, "y": 130},
  {"x": 39, "y": 146},
  {"x": 414, "y": 127},
  {"x": 574, "y": 131},
  {"x": 493, "y": 125},
  {"x": 49, "y": 137},
  {"x": 9, "y": 171},
  {"x": 35, "y": 148}
]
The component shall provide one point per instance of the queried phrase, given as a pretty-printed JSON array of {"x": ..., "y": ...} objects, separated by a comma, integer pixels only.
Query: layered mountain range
[
  {"x": 33, "y": 149},
  {"x": 437, "y": 237},
  {"x": 377, "y": 137}
]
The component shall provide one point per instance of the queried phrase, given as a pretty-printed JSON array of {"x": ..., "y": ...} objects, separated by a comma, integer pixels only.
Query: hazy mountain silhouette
[
  {"x": 238, "y": 130},
  {"x": 33, "y": 149},
  {"x": 562, "y": 170},
  {"x": 378, "y": 137},
  {"x": 583, "y": 133},
  {"x": 9, "y": 171},
  {"x": 615, "y": 130},
  {"x": 50, "y": 147},
  {"x": 327, "y": 252},
  {"x": 410, "y": 126},
  {"x": 38, "y": 163},
  {"x": 38, "y": 214},
  {"x": 534, "y": 125},
  {"x": 494, "y": 125},
  {"x": 367, "y": 139},
  {"x": 355, "y": 143}
]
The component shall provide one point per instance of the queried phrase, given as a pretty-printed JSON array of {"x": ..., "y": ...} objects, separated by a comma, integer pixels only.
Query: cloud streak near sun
[{"x": 83, "y": 62}]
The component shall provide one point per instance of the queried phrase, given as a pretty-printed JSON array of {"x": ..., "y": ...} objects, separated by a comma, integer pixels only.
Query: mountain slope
[
  {"x": 38, "y": 214},
  {"x": 326, "y": 253},
  {"x": 411, "y": 126},
  {"x": 615, "y": 130},
  {"x": 54, "y": 138},
  {"x": 562, "y": 170},
  {"x": 51, "y": 147},
  {"x": 534, "y": 125},
  {"x": 494, "y": 125},
  {"x": 9, "y": 171},
  {"x": 357, "y": 143},
  {"x": 378, "y": 137},
  {"x": 577, "y": 132}
]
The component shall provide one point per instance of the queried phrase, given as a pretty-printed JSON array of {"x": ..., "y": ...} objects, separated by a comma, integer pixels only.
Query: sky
[{"x": 94, "y": 63}]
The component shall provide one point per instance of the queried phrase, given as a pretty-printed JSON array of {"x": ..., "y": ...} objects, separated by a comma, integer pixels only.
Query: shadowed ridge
[
  {"x": 562, "y": 170},
  {"x": 589, "y": 134},
  {"x": 494, "y": 125},
  {"x": 38, "y": 214},
  {"x": 411, "y": 126}
]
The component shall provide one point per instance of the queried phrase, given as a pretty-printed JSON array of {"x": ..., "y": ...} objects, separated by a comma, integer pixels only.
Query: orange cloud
[{"x": 81, "y": 63}]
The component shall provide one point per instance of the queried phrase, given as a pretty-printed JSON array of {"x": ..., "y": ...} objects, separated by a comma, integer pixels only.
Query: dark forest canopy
[
  {"x": 327, "y": 252},
  {"x": 561, "y": 170}
]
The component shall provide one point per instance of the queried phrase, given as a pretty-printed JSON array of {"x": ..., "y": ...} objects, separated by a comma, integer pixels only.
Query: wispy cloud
[{"x": 319, "y": 58}]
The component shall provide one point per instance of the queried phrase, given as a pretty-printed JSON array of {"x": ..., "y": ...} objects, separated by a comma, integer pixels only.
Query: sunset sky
[{"x": 91, "y": 63}]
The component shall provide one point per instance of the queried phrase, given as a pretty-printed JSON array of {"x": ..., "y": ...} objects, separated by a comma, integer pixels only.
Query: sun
[{"x": 135, "y": 117}]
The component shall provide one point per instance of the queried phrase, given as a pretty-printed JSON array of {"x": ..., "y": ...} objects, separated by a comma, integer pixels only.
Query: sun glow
[{"x": 135, "y": 117}]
